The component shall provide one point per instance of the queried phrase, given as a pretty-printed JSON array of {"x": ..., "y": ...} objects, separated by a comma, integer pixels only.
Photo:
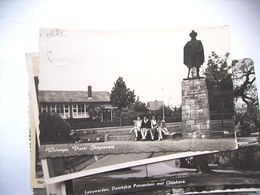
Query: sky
[
  {"x": 21, "y": 20},
  {"x": 151, "y": 62}
]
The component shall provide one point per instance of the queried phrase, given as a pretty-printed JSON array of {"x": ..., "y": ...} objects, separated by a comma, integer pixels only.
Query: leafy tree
[
  {"x": 168, "y": 112},
  {"x": 121, "y": 96},
  {"x": 246, "y": 97},
  {"x": 220, "y": 86},
  {"x": 53, "y": 129},
  {"x": 218, "y": 72},
  {"x": 177, "y": 113},
  {"x": 139, "y": 106},
  {"x": 95, "y": 112}
]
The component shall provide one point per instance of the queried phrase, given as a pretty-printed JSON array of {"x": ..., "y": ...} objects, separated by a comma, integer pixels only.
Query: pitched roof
[
  {"x": 73, "y": 96},
  {"x": 155, "y": 105}
]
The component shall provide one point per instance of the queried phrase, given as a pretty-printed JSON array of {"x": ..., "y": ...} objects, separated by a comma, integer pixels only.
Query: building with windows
[{"x": 77, "y": 104}]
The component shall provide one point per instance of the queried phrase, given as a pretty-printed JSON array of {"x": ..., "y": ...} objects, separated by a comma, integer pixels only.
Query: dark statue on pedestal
[
  {"x": 193, "y": 53},
  {"x": 195, "y": 108}
]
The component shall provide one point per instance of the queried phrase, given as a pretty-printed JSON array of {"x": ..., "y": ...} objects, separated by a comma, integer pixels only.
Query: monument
[{"x": 195, "y": 102}]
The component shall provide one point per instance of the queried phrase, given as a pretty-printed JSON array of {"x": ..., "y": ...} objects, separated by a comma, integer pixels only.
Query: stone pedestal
[{"x": 195, "y": 109}]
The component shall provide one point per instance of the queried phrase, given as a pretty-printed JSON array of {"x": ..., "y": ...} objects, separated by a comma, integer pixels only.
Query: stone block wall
[{"x": 195, "y": 109}]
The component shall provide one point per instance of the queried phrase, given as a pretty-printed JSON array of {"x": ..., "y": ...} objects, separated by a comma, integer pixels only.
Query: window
[
  {"x": 53, "y": 108},
  {"x": 79, "y": 111},
  {"x": 60, "y": 110},
  {"x": 86, "y": 111},
  {"x": 81, "y": 108},
  {"x": 44, "y": 108},
  {"x": 66, "y": 111},
  {"x": 75, "y": 110}
]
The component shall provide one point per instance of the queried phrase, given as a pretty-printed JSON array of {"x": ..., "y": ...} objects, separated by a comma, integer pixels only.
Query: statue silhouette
[{"x": 193, "y": 53}]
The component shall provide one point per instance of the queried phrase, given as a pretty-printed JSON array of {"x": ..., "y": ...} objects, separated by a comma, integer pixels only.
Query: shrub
[{"x": 53, "y": 129}]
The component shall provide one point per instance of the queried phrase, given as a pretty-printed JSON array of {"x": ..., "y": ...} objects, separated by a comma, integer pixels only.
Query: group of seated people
[{"x": 156, "y": 129}]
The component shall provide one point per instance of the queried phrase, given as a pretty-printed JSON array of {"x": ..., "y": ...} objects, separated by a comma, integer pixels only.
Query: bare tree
[
  {"x": 244, "y": 81},
  {"x": 246, "y": 97}
]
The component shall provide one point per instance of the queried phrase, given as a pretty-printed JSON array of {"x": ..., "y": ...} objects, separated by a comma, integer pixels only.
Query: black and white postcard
[
  {"x": 232, "y": 165},
  {"x": 37, "y": 180},
  {"x": 66, "y": 168},
  {"x": 222, "y": 172},
  {"x": 111, "y": 92}
]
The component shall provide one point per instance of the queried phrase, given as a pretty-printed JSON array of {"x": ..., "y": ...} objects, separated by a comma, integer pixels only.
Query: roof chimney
[{"x": 90, "y": 91}]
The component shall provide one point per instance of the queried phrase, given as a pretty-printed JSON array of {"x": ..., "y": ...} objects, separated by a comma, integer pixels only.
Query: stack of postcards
[{"x": 142, "y": 112}]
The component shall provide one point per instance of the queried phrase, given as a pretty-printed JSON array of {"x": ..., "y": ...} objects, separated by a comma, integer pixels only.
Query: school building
[{"x": 77, "y": 104}]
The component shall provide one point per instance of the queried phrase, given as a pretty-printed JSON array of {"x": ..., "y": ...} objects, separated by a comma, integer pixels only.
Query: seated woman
[
  {"x": 154, "y": 126},
  {"x": 137, "y": 127},
  {"x": 162, "y": 130}
]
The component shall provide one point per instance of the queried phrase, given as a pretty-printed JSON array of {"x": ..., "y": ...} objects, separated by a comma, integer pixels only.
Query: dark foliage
[
  {"x": 121, "y": 96},
  {"x": 139, "y": 106},
  {"x": 220, "y": 87},
  {"x": 53, "y": 129}
]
